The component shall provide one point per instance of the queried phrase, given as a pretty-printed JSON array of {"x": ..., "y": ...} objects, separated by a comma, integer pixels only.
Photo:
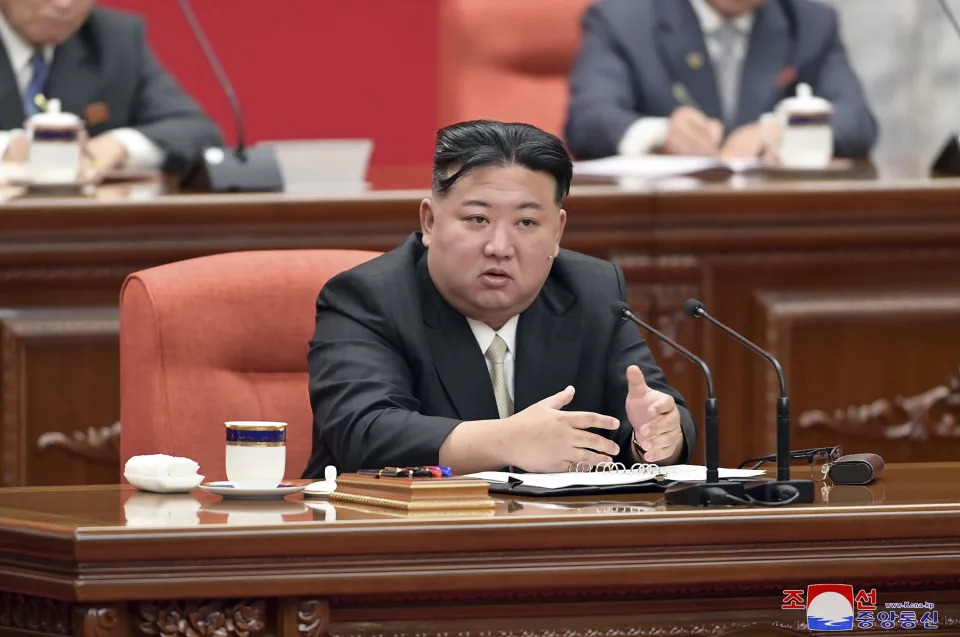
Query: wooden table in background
[
  {"x": 853, "y": 283},
  {"x": 111, "y": 562}
]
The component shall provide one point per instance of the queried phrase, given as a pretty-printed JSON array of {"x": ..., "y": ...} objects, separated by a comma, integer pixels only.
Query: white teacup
[
  {"x": 256, "y": 453},
  {"x": 803, "y": 135},
  {"x": 54, "y": 138}
]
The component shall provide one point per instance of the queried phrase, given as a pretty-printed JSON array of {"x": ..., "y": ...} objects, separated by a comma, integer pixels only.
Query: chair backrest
[
  {"x": 507, "y": 60},
  {"x": 217, "y": 338}
]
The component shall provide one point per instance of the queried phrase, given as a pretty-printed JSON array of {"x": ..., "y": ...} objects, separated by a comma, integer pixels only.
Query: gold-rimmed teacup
[{"x": 256, "y": 453}]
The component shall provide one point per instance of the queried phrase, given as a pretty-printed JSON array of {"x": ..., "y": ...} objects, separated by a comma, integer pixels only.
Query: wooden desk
[
  {"x": 853, "y": 283},
  {"x": 119, "y": 562}
]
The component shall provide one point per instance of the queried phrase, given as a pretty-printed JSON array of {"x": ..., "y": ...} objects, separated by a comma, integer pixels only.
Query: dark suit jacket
[
  {"x": 634, "y": 51},
  {"x": 108, "y": 61},
  {"x": 394, "y": 368}
]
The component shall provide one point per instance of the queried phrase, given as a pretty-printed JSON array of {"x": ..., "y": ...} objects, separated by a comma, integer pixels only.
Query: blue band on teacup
[
  {"x": 256, "y": 437},
  {"x": 55, "y": 134},
  {"x": 809, "y": 120}
]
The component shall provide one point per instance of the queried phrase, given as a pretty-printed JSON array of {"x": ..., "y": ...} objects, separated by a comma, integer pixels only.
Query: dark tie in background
[{"x": 36, "y": 85}]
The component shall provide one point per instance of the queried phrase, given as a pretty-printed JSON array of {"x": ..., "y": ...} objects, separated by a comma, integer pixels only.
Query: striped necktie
[
  {"x": 36, "y": 86},
  {"x": 495, "y": 354}
]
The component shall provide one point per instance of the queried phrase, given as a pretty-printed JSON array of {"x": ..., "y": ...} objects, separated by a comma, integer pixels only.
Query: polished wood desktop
[
  {"x": 104, "y": 561},
  {"x": 851, "y": 278}
]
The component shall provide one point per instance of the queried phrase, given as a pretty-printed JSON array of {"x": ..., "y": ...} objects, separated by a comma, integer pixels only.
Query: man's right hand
[
  {"x": 690, "y": 132},
  {"x": 18, "y": 148},
  {"x": 546, "y": 439}
]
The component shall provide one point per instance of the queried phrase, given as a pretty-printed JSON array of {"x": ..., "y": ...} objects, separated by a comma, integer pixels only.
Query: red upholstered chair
[
  {"x": 219, "y": 338},
  {"x": 507, "y": 60}
]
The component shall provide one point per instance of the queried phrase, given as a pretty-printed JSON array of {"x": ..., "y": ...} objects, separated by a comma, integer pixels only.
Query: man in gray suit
[
  {"x": 98, "y": 64},
  {"x": 693, "y": 77}
]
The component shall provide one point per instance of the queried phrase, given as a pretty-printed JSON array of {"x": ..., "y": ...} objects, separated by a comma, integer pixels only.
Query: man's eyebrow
[
  {"x": 529, "y": 205},
  {"x": 479, "y": 203}
]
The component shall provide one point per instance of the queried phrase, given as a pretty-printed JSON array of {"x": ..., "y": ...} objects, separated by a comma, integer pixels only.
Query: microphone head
[
  {"x": 693, "y": 308},
  {"x": 619, "y": 308}
]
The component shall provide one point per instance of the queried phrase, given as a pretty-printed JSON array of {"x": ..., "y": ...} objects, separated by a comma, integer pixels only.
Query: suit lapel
[
  {"x": 456, "y": 356},
  {"x": 11, "y": 103},
  {"x": 766, "y": 60},
  {"x": 548, "y": 347},
  {"x": 74, "y": 75},
  {"x": 688, "y": 63}
]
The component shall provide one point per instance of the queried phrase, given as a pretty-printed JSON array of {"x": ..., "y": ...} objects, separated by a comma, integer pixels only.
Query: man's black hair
[{"x": 466, "y": 146}]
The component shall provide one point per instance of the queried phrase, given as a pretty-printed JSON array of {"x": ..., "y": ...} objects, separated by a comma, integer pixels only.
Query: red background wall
[{"x": 311, "y": 68}]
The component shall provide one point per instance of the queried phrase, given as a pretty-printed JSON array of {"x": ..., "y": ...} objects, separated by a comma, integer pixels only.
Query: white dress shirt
[
  {"x": 649, "y": 133},
  {"x": 141, "y": 152},
  {"x": 484, "y": 335}
]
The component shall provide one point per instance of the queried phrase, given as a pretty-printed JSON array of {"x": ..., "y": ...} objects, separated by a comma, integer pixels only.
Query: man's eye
[
  {"x": 528, "y": 223},
  {"x": 477, "y": 219}
]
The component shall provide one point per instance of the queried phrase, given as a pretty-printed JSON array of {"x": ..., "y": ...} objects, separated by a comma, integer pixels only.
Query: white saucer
[
  {"x": 227, "y": 490},
  {"x": 164, "y": 484}
]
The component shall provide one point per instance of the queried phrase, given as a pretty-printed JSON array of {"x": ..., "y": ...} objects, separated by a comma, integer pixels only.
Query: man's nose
[{"x": 499, "y": 242}]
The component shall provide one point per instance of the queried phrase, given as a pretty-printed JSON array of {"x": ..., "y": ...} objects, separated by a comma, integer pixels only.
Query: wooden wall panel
[
  {"x": 59, "y": 374},
  {"x": 874, "y": 369},
  {"x": 733, "y": 285}
]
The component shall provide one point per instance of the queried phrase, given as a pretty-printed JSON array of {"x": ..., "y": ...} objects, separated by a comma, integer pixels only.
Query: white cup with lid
[
  {"x": 804, "y": 136},
  {"x": 54, "y": 138}
]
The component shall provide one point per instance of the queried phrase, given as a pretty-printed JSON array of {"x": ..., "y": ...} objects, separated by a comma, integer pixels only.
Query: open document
[
  {"x": 542, "y": 483},
  {"x": 659, "y": 166}
]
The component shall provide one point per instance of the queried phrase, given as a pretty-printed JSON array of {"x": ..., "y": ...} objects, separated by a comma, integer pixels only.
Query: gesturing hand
[
  {"x": 550, "y": 440},
  {"x": 654, "y": 417}
]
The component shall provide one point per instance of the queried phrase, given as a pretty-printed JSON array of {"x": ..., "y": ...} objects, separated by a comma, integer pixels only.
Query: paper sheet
[
  {"x": 658, "y": 166},
  {"x": 680, "y": 472}
]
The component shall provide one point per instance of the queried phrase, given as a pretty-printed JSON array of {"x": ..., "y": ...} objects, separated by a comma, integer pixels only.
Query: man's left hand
[
  {"x": 655, "y": 419},
  {"x": 103, "y": 154},
  {"x": 745, "y": 142}
]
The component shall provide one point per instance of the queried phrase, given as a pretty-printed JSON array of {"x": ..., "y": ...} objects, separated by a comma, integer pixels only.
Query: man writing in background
[
  {"x": 479, "y": 343},
  {"x": 693, "y": 77},
  {"x": 98, "y": 64}
]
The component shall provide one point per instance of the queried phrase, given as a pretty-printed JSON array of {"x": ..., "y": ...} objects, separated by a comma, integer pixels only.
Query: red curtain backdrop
[{"x": 311, "y": 68}]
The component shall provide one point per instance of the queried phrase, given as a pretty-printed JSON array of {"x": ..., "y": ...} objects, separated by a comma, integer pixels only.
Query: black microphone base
[
  {"x": 703, "y": 493},
  {"x": 770, "y": 490},
  {"x": 947, "y": 162},
  {"x": 226, "y": 170}
]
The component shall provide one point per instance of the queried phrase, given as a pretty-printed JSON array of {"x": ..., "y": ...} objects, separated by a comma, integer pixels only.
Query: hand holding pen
[{"x": 689, "y": 130}]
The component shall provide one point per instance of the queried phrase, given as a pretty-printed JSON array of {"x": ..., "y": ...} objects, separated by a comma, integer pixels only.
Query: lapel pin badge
[
  {"x": 96, "y": 113},
  {"x": 787, "y": 76},
  {"x": 694, "y": 60}
]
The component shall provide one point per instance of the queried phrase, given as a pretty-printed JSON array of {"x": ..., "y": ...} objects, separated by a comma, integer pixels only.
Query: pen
[{"x": 681, "y": 94}]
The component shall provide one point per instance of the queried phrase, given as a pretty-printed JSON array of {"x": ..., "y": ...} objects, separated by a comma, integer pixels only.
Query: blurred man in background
[
  {"x": 98, "y": 64},
  {"x": 908, "y": 57},
  {"x": 693, "y": 77}
]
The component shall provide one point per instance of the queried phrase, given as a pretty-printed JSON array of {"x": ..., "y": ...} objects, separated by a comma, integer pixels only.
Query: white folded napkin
[{"x": 162, "y": 466}]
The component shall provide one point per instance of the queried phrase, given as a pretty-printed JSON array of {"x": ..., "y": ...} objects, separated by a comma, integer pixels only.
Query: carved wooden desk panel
[
  {"x": 105, "y": 561},
  {"x": 834, "y": 276}
]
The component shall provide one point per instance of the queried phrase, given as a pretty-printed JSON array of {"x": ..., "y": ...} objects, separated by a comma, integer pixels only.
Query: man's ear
[
  {"x": 560, "y": 227},
  {"x": 426, "y": 220}
]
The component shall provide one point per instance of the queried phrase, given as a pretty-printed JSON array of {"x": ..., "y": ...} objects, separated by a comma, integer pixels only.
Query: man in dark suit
[
  {"x": 479, "y": 343},
  {"x": 98, "y": 64},
  {"x": 693, "y": 77}
]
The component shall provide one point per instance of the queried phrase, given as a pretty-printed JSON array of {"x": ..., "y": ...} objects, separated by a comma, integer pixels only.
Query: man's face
[
  {"x": 735, "y": 8},
  {"x": 43, "y": 22},
  {"x": 492, "y": 238}
]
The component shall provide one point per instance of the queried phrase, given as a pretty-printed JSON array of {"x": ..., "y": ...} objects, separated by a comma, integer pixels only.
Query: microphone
[
  {"x": 239, "y": 169},
  {"x": 694, "y": 494},
  {"x": 948, "y": 161},
  {"x": 695, "y": 309}
]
